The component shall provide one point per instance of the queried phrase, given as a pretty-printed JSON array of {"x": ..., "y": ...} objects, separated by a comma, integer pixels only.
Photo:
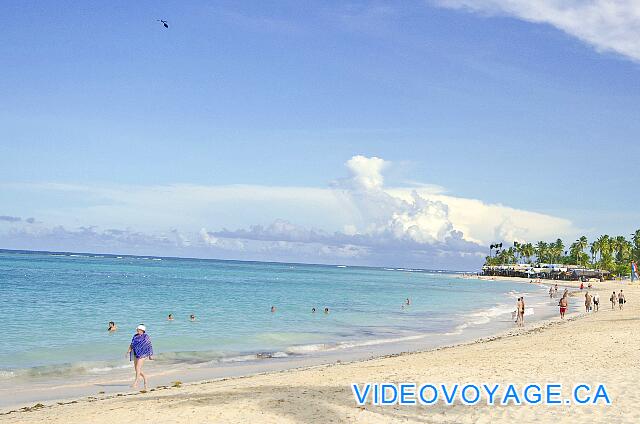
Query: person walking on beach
[
  {"x": 564, "y": 303},
  {"x": 613, "y": 299},
  {"x": 520, "y": 312},
  {"x": 596, "y": 302},
  {"x": 140, "y": 350},
  {"x": 587, "y": 302},
  {"x": 621, "y": 300},
  {"x": 550, "y": 292}
]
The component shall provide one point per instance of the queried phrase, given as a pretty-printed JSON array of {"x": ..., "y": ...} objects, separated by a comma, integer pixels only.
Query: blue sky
[{"x": 513, "y": 106}]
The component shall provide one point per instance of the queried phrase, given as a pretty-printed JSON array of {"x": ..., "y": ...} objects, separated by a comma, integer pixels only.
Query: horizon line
[{"x": 123, "y": 255}]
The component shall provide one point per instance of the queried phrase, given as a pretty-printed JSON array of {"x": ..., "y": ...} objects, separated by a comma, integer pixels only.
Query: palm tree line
[{"x": 613, "y": 254}]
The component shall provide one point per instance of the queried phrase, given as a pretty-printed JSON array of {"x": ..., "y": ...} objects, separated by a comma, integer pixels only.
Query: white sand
[{"x": 601, "y": 347}]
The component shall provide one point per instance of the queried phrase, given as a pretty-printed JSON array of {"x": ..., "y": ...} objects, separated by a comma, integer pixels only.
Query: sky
[{"x": 377, "y": 133}]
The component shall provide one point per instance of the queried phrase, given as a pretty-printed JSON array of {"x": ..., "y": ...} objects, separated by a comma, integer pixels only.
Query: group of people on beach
[
  {"x": 591, "y": 302},
  {"x": 618, "y": 299}
]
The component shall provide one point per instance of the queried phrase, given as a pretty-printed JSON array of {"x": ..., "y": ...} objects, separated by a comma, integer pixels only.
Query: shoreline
[
  {"x": 483, "y": 359},
  {"x": 503, "y": 334},
  {"x": 538, "y": 325},
  {"x": 56, "y": 389}
]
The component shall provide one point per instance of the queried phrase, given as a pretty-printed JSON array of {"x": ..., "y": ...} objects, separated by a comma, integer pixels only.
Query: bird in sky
[{"x": 164, "y": 23}]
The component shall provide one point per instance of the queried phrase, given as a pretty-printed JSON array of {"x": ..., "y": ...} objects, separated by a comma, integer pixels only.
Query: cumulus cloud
[
  {"x": 388, "y": 225},
  {"x": 357, "y": 220},
  {"x": 366, "y": 173},
  {"x": 607, "y": 25}
]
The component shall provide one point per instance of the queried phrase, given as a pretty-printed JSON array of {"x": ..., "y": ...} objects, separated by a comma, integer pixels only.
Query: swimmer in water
[
  {"x": 112, "y": 327},
  {"x": 192, "y": 317},
  {"x": 408, "y": 301},
  {"x": 273, "y": 309},
  {"x": 313, "y": 310},
  {"x": 326, "y": 310},
  {"x": 170, "y": 317}
]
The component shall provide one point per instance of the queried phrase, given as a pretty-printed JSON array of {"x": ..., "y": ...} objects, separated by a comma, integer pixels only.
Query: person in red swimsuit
[{"x": 563, "y": 306}]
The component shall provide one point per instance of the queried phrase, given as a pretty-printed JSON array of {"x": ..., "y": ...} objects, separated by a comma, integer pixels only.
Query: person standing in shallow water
[
  {"x": 520, "y": 312},
  {"x": 564, "y": 302},
  {"x": 140, "y": 350}
]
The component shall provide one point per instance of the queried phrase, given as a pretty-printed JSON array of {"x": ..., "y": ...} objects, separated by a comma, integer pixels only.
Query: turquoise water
[{"x": 56, "y": 307}]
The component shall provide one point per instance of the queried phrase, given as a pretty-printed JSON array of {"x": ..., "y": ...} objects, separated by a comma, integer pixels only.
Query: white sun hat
[{"x": 142, "y": 327}]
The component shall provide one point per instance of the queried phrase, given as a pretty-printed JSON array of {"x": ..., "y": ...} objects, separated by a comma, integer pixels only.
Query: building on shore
[{"x": 546, "y": 271}]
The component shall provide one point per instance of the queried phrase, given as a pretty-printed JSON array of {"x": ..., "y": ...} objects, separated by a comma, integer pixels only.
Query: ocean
[{"x": 56, "y": 306}]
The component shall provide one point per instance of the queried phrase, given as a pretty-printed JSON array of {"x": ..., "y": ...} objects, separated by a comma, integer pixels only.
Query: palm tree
[
  {"x": 621, "y": 248},
  {"x": 541, "y": 251},
  {"x": 574, "y": 251},
  {"x": 517, "y": 247},
  {"x": 582, "y": 243},
  {"x": 557, "y": 249},
  {"x": 635, "y": 238},
  {"x": 594, "y": 249},
  {"x": 606, "y": 250}
]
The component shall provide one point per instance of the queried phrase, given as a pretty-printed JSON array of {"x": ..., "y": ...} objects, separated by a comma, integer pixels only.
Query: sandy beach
[{"x": 595, "y": 348}]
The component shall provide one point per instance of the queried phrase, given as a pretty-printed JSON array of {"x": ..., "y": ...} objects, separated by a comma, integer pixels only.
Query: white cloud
[
  {"x": 366, "y": 173},
  {"x": 485, "y": 223},
  {"x": 608, "y": 25},
  {"x": 358, "y": 220}
]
